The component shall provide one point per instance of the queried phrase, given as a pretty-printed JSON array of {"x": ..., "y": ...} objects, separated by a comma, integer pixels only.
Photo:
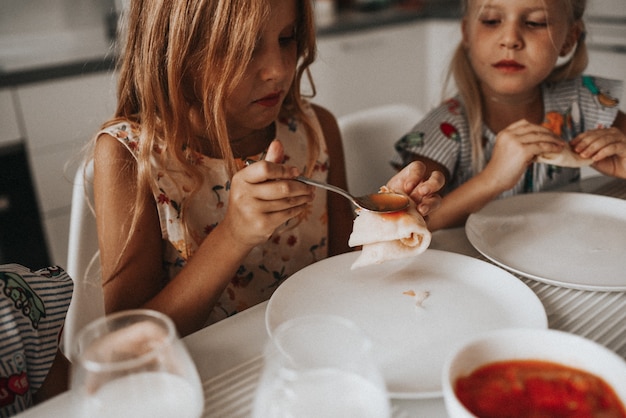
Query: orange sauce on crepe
[{"x": 532, "y": 388}]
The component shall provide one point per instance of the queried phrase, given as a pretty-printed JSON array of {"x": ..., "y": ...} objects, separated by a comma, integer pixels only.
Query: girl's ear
[{"x": 575, "y": 33}]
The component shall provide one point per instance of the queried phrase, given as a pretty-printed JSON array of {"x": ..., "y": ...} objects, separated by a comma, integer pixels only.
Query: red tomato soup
[{"x": 532, "y": 388}]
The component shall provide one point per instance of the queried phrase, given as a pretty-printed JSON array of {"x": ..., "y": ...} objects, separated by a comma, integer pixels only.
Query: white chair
[
  {"x": 83, "y": 263},
  {"x": 368, "y": 137}
]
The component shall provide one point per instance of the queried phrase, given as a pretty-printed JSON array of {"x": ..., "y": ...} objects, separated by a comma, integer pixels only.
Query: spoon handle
[{"x": 326, "y": 186}]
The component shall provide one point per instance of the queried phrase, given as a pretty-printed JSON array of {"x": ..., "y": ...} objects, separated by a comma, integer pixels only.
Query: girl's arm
[
  {"x": 340, "y": 214},
  {"x": 516, "y": 147},
  {"x": 461, "y": 202},
  {"x": 256, "y": 208},
  {"x": 456, "y": 206}
]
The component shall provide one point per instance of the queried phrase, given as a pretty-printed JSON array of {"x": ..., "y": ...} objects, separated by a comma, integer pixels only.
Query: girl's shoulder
[
  {"x": 603, "y": 90},
  {"x": 438, "y": 136},
  {"x": 587, "y": 97},
  {"x": 125, "y": 131},
  {"x": 451, "y": 108},
  {"x": 448, "y": 120}
]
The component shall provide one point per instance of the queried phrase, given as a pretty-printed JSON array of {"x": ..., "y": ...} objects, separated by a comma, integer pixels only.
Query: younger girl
[
  {"x": 185, "y": 226},
  {"x": 516, "y": 101}
]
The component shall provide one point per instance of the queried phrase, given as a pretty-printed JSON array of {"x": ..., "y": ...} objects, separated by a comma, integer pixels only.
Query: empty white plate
[
  {"x": 466, "y": 296},
  {"x": 572, "y": 240}
]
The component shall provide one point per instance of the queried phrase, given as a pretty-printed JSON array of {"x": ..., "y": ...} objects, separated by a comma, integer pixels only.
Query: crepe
[
  {"x": 388, "y": 236},
  {"x": 566, "y": 158}
]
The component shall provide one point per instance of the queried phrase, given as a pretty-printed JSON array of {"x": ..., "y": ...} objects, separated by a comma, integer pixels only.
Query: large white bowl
[{"x": 530, "y": 344}]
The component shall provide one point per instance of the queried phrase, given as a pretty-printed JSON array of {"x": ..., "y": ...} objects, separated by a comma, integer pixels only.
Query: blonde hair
[
  {"x": 181, "y": 61},
  {"x": 462, "y": 73}
]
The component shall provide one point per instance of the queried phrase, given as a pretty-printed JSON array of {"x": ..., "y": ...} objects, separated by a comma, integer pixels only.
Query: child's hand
[
  {"x": 412, "y": 181},
  {"x": 607, "y": 148},
  {"x": 262, "y": 197},
  {"x": 516, "y": 147}
]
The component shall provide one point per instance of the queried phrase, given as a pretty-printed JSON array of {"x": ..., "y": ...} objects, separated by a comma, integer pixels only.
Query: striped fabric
[
  {"x": 33, "y": 306},
  {"x": 570, "y": 107}
]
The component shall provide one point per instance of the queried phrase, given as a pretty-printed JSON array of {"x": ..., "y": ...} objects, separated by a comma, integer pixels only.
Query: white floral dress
[{"x": 287, "y": 251}]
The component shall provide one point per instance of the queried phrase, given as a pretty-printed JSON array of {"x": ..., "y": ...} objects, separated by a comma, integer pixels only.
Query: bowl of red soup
[{"x": 531, "y": 373}]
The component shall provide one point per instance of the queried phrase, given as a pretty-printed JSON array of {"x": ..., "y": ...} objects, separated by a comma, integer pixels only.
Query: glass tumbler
[
  {"x": 320, "y": 366},
  {"x": 132, "y": 363}
]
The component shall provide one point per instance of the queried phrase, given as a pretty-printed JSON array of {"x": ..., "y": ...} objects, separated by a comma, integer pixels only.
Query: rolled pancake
[
  {"x": 566, "y": 158},
  {"x": 388, "y": 236}
]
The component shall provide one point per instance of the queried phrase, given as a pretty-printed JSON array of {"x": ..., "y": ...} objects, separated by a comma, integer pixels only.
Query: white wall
[
  {"x": 20, "y": 17},
  {"x": 394, "y": 64}
]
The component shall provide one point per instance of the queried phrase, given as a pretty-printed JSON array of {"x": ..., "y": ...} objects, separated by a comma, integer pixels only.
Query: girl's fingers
[
  {"x": 528, "y": 133},
  {"x": 275, "y": 152},
  {"x": 407, "y": 178},
  {"x": 265, "y": 170},
  {"x": 599, "y": 143},
  {"x": 429, "y": 204},
  {"x": 285, "y": 206},
  {"x": 432, "y": 185},
  {"x": 411, "y": 180}
]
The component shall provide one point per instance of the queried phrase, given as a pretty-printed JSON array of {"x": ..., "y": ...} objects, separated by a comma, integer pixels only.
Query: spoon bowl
[{"x": 376, "y": 202}]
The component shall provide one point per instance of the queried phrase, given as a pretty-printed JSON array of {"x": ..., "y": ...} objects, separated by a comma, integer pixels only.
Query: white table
[{"x": 229, "y": 354}]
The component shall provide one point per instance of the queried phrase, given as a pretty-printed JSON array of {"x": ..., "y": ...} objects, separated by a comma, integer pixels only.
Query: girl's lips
[
  {"x": 509, "y": 65},
  {"x": 270, "y": 100}
]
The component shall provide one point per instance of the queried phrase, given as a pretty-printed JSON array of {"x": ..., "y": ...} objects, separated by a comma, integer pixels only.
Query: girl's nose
[
  {"x": 273, "y": 66},
  {"x": 511, "y": 38}
]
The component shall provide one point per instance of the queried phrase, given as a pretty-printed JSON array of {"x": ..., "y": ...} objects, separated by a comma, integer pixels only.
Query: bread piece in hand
[
  {"x": 566, "y": 158},
  {"x": 389, "y": 236}
]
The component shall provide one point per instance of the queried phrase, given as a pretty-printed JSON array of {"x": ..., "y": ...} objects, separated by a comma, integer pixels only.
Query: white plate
[
  {"x": 467, "y": 297},
  {"x": 572, "y": 240}
]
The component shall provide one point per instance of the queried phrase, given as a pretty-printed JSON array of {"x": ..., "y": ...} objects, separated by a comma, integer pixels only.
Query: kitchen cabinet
[
  {"x": 60, "y": 117},
  {"x": 394, "y": 64},
  {"x": 607, "y": 53},
  {"x": 10, "y": 130},
  {"x": 442, "y": 38},
  {"x": 609, "y": 64},
  {"x": 368, "y": 68},
  {"x": 21, "y": 236}
]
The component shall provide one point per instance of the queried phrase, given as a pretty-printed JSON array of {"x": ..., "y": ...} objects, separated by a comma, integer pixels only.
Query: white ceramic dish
[
  {"x": 530, "y": 344},
  {"x": 573, "y": 240},
  {"x": 466, "y": 297}
]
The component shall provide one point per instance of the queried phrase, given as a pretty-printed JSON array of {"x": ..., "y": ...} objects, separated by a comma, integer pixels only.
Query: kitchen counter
[
  {"x": 42, "y": 57},
  {"x": 25, "y": 60},
  {"x": 350, "y": 21}
]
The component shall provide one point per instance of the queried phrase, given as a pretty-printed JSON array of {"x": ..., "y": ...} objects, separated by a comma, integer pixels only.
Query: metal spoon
[{"x": 375, "y": 202}]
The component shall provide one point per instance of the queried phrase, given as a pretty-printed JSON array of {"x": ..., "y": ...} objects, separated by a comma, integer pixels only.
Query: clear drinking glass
[
  {"x": 320, "y": 366},
  {"x": 132, "y": 363}
]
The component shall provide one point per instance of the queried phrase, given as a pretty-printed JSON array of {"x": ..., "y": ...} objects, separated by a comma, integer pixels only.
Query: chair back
[
  {"x": 83, "y": 261},
  {"x": 368, "y": 137}
]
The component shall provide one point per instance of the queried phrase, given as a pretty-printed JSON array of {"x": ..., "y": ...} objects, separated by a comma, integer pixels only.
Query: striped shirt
[
  {"x": 33, "y": 306},
  {"x": 570, "y": 107}
]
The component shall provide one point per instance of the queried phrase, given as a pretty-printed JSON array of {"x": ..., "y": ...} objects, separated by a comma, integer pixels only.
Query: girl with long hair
[
  {"x": 185, "y": 225},
  {"x": 521, "y": 94}
]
